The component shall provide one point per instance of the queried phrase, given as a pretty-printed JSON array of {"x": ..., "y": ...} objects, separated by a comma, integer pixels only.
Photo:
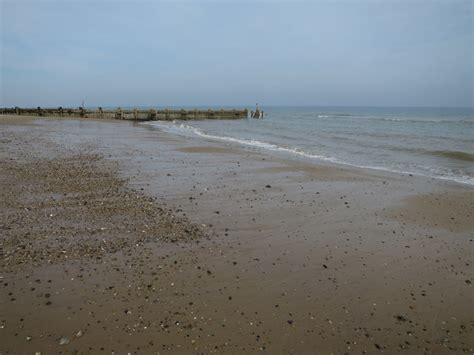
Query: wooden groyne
[{"x": 129, "y": 114}]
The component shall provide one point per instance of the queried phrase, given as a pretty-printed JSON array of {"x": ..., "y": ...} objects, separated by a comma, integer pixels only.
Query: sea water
[{"x": 434, "y": 142}]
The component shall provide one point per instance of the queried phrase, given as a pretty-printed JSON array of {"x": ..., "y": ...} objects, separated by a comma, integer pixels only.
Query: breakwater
[{"x": 130, "y": 114}]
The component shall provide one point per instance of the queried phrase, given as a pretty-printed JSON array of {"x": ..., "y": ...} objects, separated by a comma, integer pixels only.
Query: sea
[{"x": 432, "y": 142}]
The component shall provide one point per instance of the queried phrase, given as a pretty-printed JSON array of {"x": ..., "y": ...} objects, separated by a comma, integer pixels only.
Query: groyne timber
[{"x": 130, "y": 114}]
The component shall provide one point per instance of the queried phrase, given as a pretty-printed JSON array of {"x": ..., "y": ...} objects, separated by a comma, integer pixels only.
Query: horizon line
[{"x": 244, "y": 105}]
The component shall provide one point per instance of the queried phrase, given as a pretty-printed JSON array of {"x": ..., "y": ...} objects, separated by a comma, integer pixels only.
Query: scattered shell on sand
[
  {"x": 64, "y": 341},
  {"x": 79, "y": 334}
]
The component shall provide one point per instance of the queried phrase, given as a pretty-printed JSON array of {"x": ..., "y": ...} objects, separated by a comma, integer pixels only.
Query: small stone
[
  {"x": 28, "y": 338},
  {"x": 79, "y": 334},
  {"x": 401, "y": 318},
  {"x": 64, "y": 341}
]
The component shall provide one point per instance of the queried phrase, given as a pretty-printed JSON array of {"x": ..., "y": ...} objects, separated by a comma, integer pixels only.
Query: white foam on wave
[
  {"x": 247, "y": 142},
  {"x": 184, "y": 129},
  {"x": 411, "y": 120},
  {"x": 435, "y": 173},
  {"x": 335, "y": 115}
]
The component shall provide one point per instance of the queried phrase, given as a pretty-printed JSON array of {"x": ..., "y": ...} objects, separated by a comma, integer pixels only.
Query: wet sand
[{"x": 120, "y": 238}]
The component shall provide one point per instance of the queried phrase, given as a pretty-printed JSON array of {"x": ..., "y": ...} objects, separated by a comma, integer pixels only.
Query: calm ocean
[{"x": 434, "y": 142}]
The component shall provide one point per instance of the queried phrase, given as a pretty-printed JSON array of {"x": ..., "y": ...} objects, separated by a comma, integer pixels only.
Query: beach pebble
[
  {"x": 64, "y": 341},
  {"x": 79, "y": 334}
]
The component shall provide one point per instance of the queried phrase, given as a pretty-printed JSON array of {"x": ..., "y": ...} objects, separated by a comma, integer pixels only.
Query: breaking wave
[
  {"x": 457, "y": 155},
  {"x": 411, "y": 120}
]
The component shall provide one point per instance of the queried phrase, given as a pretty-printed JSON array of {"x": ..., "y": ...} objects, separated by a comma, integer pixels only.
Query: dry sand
[{"x": 119, "y": 238}]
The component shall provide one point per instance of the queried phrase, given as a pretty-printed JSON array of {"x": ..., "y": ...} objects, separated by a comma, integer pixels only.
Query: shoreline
[
  {"x": 293, "y": 156},
  {"x": 300, "y": 258},
  {"x": 314, "y": 159}
]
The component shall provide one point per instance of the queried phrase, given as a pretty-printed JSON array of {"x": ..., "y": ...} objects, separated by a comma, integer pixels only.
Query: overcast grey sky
[{"x": 127, "y": 53}]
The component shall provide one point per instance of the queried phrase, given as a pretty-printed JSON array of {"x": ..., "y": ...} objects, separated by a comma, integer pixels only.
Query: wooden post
[
  {"x": 119, "y": 114},
  {"x": 152, "y": 114}
]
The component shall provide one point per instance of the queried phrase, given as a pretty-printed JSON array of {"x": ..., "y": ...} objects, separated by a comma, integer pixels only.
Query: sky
[{"x": 236, "y": 53}]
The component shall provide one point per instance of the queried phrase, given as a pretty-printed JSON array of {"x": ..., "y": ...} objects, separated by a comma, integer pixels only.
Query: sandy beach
[{"x": 119, "y": 238}]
